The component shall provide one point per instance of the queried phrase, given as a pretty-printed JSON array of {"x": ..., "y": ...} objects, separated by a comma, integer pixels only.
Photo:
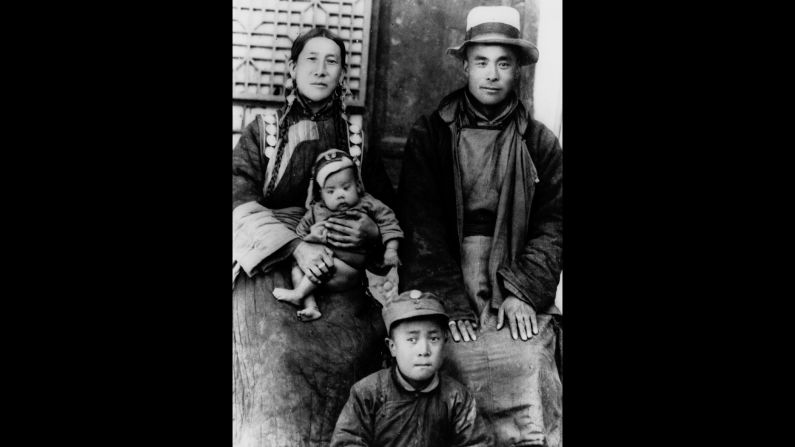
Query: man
[{"x": 481, "y": 195}]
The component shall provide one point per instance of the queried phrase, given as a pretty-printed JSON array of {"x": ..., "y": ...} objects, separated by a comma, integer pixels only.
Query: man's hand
[
  {"x": 315, "y": 261},
  {"x": 521, "y": 318},
  {"x": 355, "y": 230},
  {"x": 463, "y": 329}
]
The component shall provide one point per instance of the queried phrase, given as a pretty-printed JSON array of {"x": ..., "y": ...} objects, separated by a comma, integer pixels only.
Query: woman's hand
[
  {"x": 315, "y": 261},
  {"x": 355, "y": 231}
]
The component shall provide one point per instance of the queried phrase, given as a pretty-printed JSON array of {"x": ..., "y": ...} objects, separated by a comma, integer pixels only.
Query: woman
[{"x": 290, "y": 378}]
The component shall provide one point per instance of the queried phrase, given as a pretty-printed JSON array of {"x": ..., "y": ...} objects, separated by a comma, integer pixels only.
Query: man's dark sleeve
[
  {"x": 533, "y": 277},
  {"x": 428, "y": 259}
]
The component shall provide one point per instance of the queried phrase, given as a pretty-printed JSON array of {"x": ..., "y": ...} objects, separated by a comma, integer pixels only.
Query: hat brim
[
  {"x": 528, "y": 53},
  {"x": 398, "y": 312},
  {"x": 332, "y": 168}
]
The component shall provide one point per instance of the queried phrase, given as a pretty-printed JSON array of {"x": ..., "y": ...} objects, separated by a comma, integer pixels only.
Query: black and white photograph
[{"x": 397, "y": 214}]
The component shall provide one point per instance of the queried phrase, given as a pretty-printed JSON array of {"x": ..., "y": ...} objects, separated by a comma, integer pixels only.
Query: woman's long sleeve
[{"x": 257, "y": 232}]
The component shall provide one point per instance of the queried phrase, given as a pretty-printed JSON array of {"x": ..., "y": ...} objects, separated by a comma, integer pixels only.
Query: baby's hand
[
  {"x": 391, "y": 258},
  {"x": 317, "y": 233}
]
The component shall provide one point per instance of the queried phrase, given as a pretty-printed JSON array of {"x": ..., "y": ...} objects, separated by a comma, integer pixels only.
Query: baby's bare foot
[
  {"x": 289, "y": 295},
  {"x": 309, "y": 314}
]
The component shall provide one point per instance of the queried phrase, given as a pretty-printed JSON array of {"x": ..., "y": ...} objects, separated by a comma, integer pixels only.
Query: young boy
[
  {"x": 337, "y": 189},
  {"x": 411, "y": 403}
]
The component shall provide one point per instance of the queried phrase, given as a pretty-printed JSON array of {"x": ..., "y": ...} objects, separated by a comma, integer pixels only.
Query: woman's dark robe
[{"x": 290, "y": 378}]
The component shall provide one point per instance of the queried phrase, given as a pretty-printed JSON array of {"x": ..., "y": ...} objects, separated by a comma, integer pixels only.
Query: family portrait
[{"x": 397, "y": 223}]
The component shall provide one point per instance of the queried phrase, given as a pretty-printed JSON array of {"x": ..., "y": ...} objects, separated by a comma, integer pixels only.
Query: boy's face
[
  {"x": 491, "y": 71},
  {"x": 417, "y": 347},
  {"x": 339, "y": 192}
]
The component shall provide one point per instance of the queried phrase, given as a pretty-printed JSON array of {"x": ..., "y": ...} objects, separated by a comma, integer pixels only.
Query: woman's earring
[
  {"x": 344, "y": 91},
  {"x": 289, "y": 90}
]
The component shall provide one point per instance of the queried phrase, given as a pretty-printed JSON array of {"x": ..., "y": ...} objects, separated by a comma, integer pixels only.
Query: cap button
[{"x": 415, "y": 294}]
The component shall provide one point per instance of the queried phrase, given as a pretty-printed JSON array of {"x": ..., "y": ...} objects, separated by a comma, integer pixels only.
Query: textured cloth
[
  {"x": 475, "y": 268},
  {"x": 483, "y": 165},
  {"x": 482, "y": 170},
  {"x": 518, "y": 390},
  {"x": 382, "y": 411},
  {"x": 290, "y": 378},
  {"x": 257, "y": 233},
  {"x": 515, "y": 383}
]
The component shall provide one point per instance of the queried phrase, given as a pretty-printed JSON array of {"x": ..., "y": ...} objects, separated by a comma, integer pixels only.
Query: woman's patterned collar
[{"x": 329, "y": 108}]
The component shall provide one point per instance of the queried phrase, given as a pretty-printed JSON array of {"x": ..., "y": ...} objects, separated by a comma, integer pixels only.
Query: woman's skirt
[{"x": 290, "y": 378}]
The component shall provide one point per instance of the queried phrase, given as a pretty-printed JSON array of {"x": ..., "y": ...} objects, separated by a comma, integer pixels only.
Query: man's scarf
[{"x": 517, "y": 188}]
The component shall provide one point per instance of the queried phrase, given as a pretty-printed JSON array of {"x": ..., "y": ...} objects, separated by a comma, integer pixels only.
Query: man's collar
[
  {"x": 456, "y": 102},
  {"x": 478, "y": 117},
  {"x": 407, "y": 386}
]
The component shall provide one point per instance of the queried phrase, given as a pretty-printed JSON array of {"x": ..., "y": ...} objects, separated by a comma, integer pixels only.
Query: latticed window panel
[{"x": 263, "y": 32}]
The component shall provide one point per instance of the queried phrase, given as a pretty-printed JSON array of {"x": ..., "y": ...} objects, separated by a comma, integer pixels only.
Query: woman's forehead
[{"x": 322, "y": 46}]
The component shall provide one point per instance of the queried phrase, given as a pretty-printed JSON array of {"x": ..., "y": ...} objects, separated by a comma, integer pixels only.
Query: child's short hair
[{"x": 412, "y": 305}]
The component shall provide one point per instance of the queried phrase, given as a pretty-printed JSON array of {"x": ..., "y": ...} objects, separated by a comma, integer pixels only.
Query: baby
[{"x": 336, "y": 190}]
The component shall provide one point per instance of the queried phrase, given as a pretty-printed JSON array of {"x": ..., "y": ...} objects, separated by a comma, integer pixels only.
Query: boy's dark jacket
[
  {"x": 527, "y": 251},
  {"x": 380, "y": 412}
]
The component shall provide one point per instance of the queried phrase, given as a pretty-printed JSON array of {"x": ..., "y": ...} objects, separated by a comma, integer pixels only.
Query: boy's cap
[
  {"x": 329, "y": 162},
  {"x": 410, "y": 304}
]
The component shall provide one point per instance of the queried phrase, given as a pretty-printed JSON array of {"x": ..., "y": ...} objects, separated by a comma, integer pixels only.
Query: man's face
[
  {"x": 491, "y": 70},
  {"x": 317, "y": 70},
  {"x": 339, "y": 192},
  {"x": 417, "y": 347}
]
